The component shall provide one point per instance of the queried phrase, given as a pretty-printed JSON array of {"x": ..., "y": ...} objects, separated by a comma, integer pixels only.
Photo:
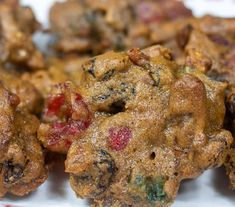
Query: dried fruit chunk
[
  {"x": 119, "y": 137},
  {"x": 66, "y": 117},
  {"x": 169, "y": 128}
]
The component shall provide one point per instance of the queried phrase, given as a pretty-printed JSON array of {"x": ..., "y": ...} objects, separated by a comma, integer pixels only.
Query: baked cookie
[
  {"x": 18, "y": 24},
  {"x": 97, "y": 26},
  {"x": 22, "y": 167},
  {"x": 138, "y": 124}
]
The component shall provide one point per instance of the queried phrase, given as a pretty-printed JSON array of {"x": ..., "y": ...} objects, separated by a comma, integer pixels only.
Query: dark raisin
[
  {"x": 219, "y": 39},
  {"x": 84, "y": 178},
  {"x": 91, "y": 18},
  {"x": 103, "y": 97},
  {"x": 120, "y": 44},
  {"x": 108, "y": 75},
  {"x": 214, "y": 75},
  {"x": 183, "y": 35},
  {"x": 12, "y": 172},
  {"x": 133, "y": 91},
  {"x": 129, "y": 176},
  {"x": 99, "y": 176},
  {"x": 155, "y": 77},
  {"x": 106, "y": 168},
  {"x": 91, "y": 69}
]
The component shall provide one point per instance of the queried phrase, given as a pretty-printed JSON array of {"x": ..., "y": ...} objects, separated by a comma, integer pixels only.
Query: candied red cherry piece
[
  {"x": 78, "y": 97},
  {"x": 54, "y": 104},
  {"x": 119, "y": 137},
  {"x": 60, "y": 132},
  {"x": 220, "y": 40},
  {"x": 66, "y": 117}
]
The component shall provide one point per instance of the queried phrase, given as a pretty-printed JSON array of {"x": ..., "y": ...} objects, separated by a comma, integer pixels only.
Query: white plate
[{"x": 209, "y": 190}]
